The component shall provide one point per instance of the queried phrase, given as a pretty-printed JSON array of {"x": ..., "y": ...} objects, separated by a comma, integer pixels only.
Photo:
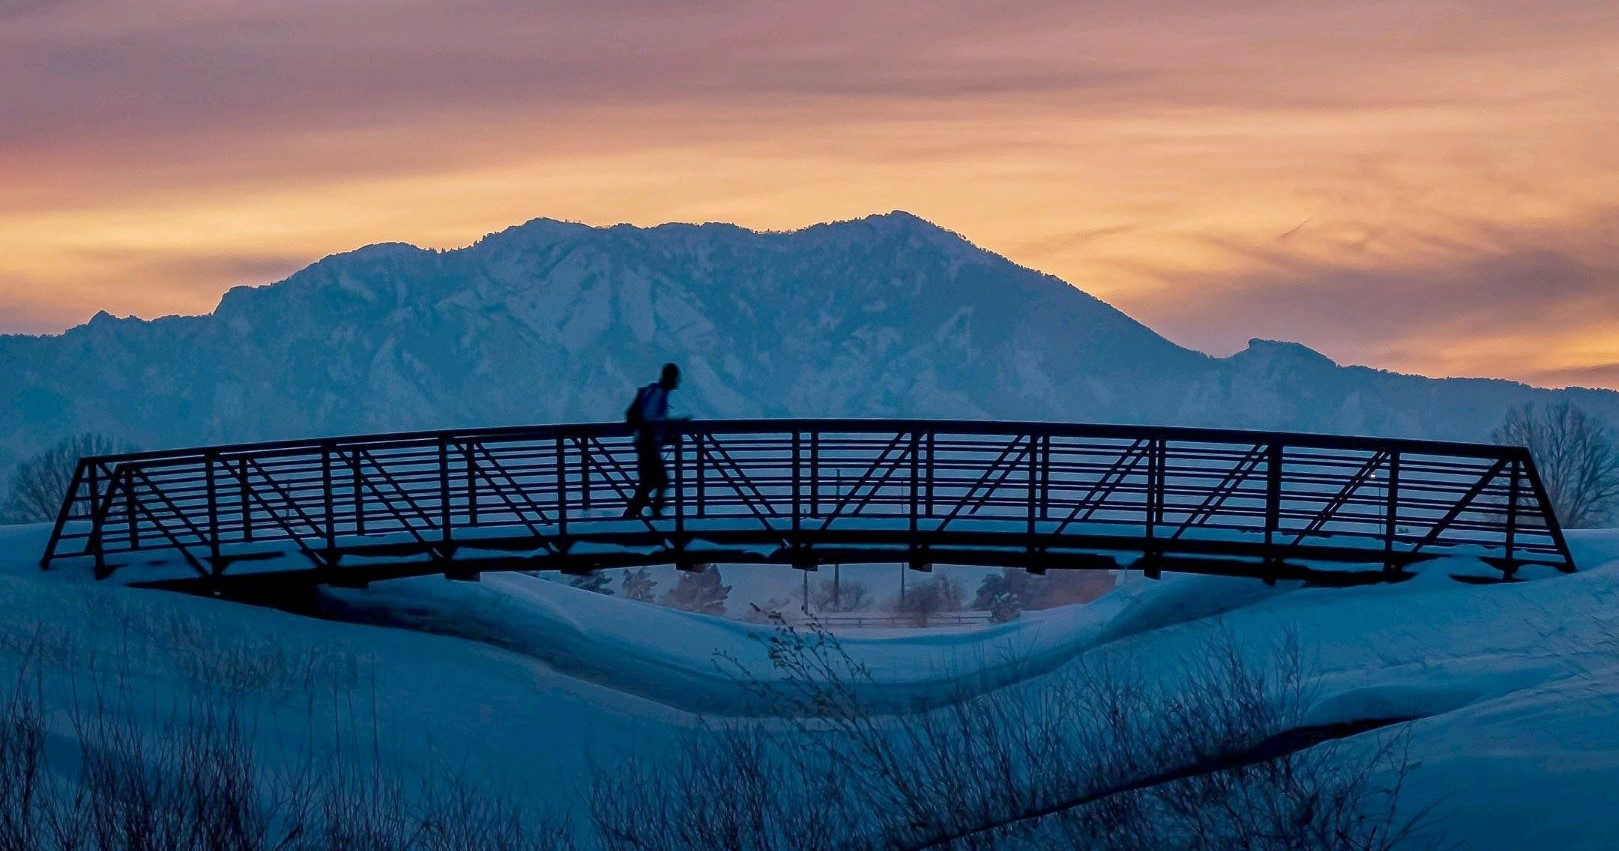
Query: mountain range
[{"x": 552, "y": 321}]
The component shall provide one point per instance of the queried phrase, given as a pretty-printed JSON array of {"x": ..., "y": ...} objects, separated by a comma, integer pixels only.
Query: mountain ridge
[{"x": 887, "y": 315}]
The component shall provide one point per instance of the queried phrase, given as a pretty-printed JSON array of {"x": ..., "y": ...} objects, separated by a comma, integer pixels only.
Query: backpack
[{"x": 635, "y": 414}]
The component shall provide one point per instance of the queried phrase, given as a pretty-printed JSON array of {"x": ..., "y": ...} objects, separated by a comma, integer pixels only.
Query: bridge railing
[{"x": 809, "y": 491}]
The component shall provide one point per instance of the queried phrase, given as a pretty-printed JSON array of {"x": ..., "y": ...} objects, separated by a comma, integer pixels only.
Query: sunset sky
[{"x": 1418, "y": 185}]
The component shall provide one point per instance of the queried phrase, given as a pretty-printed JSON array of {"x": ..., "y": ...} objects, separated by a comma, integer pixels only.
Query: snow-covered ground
[{"x": 1516, "y": 686}]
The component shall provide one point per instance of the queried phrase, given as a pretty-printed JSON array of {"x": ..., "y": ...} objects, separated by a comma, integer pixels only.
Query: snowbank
[{"x": 1516, "y": 685}]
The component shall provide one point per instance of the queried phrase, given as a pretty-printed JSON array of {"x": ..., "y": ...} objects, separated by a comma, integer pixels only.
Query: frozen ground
[{"x": 1517, "y": 686}]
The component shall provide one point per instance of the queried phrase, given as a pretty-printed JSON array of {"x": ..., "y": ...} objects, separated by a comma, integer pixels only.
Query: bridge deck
[{"x": 806, "y": 492}]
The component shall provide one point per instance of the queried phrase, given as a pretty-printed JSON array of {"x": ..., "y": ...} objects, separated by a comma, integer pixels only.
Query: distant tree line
[{"x": 1004, "y": 594}]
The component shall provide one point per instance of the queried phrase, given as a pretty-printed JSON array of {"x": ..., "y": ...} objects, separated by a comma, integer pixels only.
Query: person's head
[{"x": 671, "y": 376}]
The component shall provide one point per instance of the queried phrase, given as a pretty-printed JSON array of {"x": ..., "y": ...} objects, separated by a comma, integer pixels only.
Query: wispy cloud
[
  {"x": 1224, "y": 170},
  {"x": 1535, "y": 299}
]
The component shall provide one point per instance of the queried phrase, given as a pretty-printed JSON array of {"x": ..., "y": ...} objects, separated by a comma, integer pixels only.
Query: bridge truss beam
[{"x": 1331, "y": 509}]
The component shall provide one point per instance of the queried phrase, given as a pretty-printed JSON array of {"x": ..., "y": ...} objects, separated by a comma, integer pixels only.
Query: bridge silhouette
[{"x": 348, "y": 511}]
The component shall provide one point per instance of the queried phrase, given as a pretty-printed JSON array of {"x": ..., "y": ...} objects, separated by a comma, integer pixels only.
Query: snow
[{"x": 1515, "y": 686}]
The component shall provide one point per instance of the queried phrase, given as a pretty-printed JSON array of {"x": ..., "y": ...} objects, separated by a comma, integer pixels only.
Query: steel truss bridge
[{"x": 1041, "y": 496}]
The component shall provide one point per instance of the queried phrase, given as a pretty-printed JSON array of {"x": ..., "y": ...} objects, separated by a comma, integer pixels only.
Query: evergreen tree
[
  {"x": 595, "y": 580},
  {"x": 1024, "y": 587},
  {"x": 699, "y": 590},
  {"x": 638, "y": 584},
  {"x": 1005, "y": 608}
]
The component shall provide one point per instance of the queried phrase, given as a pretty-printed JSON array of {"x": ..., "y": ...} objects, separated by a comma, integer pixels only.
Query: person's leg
[
  {"x": 638, "y": 501},
  {"x": 658, "y": 478},
  {"x": 648, "y": 467}
]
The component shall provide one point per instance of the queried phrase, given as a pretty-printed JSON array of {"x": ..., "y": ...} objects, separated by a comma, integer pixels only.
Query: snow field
[{"x": 1516, "y": 687}]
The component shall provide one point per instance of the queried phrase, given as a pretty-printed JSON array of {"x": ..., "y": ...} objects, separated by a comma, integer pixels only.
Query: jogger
[{"x": 649, "y": 413}]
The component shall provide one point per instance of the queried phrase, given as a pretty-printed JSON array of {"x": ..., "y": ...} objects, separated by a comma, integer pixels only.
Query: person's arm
[{"x": 670, "y": 411}]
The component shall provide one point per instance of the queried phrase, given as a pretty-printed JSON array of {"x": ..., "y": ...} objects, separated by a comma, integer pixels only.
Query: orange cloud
[{"x": 1249, "y": 170}]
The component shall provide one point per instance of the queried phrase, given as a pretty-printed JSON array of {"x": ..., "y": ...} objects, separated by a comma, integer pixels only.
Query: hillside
[{"x": 551, "y": 321}]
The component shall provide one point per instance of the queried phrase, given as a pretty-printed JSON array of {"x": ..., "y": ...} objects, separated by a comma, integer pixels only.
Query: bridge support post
[
  {"x": 932, "y": 446},
  {"x": 584, "y": 474},
  {"x": 1391, "y": 523},
  {"x": 445, "y": 520},
  {"x": 815, "y": 477},
  {"x": 211, "y": 459},
  {"x": 798, "y": 489},
  {"x": 562, "y": 485},
  {"x": 246, "y": 495},
  {"x": 916, "y": 483},
  {"x": 1273, "y": 509},
  {"x": 679, "y": 541},
  {"x": 1150, "y": 566},
  {"x": 357, "y": 480},
  {"x": 129, "y": 508},
  {"x": 471, "y": 463},
  {"x": 329, "y": 530},
  {"x": 1510, "y": 566},
  {"x": 98, "y": 520}
]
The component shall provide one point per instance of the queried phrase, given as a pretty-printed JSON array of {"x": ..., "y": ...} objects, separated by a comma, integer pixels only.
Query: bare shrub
[
  {"x": 40, "y": 483},
  {"x": 1575, "y": 456},
  {"x": 22, "y": 742},
  {"x": 193, "y": 786},
  {"x": 925, "y": 599},
  {"x": 842, "y": 596},
  {"x": 195, "y": 782},
  {"x": 729, "y": 787},
  {"x": 1099, "y": 757},
  {"x": 461, "y": 813}
]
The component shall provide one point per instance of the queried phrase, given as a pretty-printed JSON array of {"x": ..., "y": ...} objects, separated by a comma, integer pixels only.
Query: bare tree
[
  {"x": 928, "y": 598},
  {"x": 39, "y": 483},
  {"x": 1575, "y": 455}
]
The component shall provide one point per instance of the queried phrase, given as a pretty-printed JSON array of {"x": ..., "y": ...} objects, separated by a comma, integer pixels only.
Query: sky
[{"x": 1429, "y": 186}]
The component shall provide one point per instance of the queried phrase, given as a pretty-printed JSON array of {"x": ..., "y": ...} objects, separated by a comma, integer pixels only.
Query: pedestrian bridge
[{"x": 1041, "y": 496}]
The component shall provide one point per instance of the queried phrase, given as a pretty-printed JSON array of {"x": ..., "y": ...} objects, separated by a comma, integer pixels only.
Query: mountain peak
[
  {"x": 1283, "y": 350},
  {"x": 902, "y": 222},
  {"x": 900, "y": 218}
]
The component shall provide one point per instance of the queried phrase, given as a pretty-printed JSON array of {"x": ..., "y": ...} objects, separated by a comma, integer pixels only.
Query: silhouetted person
[{"x": 649, "y": 414}]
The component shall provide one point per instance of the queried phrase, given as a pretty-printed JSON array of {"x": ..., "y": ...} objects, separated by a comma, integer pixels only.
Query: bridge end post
[
  {"x": 1554, "y": 527},
  {"x": 62, "y": 515}
]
